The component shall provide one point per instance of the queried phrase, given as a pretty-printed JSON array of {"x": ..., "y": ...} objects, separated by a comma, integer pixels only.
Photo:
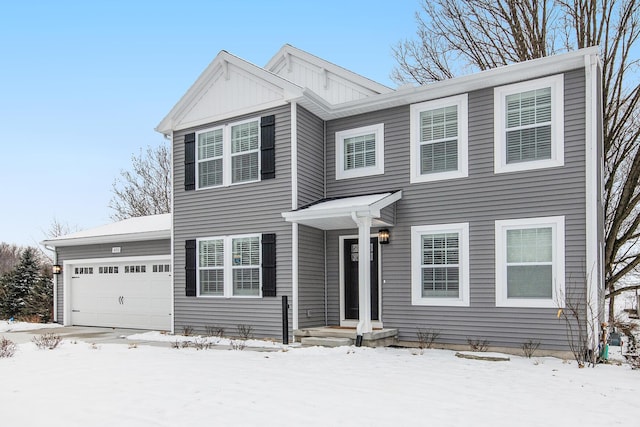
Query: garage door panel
[{"x": 126, "y": 295}]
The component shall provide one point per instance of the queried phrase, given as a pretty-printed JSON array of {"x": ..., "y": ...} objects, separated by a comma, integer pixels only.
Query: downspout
[
  {"x": 324, "y": 195},
  {"x": 171, "y": 243},
  {"x": 294, "y": 206}
]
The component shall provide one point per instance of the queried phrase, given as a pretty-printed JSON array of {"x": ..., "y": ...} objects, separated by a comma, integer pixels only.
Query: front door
[{"x": 351, "y": 255}]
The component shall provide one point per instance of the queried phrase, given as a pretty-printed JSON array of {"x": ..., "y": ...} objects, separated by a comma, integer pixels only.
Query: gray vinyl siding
[
  {"x": 311, "y": 284},
  {"x": 480, "y": 200},
  {"x": 127, "y": 249},
  {"x": 237, "y": 209},
  {"x": 310, "y": 158}
]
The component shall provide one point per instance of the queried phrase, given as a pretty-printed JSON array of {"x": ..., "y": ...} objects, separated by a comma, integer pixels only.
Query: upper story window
[
  {"x": 228, "y": 154},
  {"x": 440, "y": 265},
  {"x": 439, "y": 139},
  {"x": 530, "y": 262},
  {"x": 360, "y": 152},
  {"x": 529, "y": 128}
]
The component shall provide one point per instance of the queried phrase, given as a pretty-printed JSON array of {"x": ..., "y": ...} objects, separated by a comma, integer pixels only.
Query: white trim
[
  {"x": 594, "y": 273},
  {"x": 228, "y": 266},
  {"x": 353, "y": 323},
  {"x": 227, "y": 155},
  {"x": 417, "y": 231},
  {"x": 294, "y": 206},
  {"x": 461, "y": 102},
  {"x": 558, "y": 261},
  {"x": 67, "y": 274},
  {"x": 378, "y": 169},
  {"x": 556, "y": 83},
  {"x": 172, "y": 260}
]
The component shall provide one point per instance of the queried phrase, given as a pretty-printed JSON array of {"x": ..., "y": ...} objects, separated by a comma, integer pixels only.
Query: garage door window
[
  {"x": 135, "y": 269},
  {"x": 161, "y": 268},
  {"x": 83, "y": 270},
  {"x": 108, "y": 270}
]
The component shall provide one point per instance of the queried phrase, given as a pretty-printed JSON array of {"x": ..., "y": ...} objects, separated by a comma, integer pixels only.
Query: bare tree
[
  {"x": 455, "y": 37},
  {"x": 9, "y": 256},
  {"x": 146, "y": 189}
]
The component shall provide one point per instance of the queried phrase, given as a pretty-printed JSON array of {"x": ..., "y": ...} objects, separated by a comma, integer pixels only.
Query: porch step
[
  {"x": 375, "y": 338},
  {"x": 325, "y": 342}
]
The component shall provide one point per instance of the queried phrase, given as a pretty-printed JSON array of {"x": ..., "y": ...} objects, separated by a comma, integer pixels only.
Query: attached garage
[{"x": 118, "y": 275}]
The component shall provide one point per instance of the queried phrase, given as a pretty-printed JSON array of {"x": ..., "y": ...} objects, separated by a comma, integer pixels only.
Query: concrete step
[{"x": 326, "y": 341}]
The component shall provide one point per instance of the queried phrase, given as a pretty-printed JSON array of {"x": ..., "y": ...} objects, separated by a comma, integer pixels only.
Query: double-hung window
[
  {"x": 440, "y": 265},
  {"x": 439, "y": 139},
  {"x": 229, "y": 266},
  {"x": 360, "y": 152},
  {"x": 530, "y": 262},
  {"x": 529, "y": 129},
  {"x": 228, "y": 154}
]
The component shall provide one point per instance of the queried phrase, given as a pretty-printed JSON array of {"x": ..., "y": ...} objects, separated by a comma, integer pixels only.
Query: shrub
[
  {"x": 7, "y": 348},
  {"x": 187, "y": 330},
  {"x": 47, "y": 341},
  {"x": 529, "y": 348},
  {"x": 478, "y": 344},
  {"x": 214, "y": 331},
  {"x": 245, "y": 332},
  {"x": 238, "y": 344},
  {"x": 426, "y": 337}
]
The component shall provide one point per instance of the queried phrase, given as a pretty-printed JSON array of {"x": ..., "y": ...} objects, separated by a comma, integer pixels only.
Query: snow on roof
[{"x": 133, "y": 229}]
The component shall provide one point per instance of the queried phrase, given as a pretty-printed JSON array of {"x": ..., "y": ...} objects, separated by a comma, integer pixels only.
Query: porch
[{"x": 335, "y": 336}]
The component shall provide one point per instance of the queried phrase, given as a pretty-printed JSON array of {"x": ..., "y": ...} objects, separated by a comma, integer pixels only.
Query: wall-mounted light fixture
[
  {"x": 56, "y": 268},
  {"x": 383, "y": 236}
]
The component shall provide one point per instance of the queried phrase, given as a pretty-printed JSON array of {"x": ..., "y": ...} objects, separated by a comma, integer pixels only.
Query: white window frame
[
  {"x": 227, "y": 155},
  {"x": 556, "y": 83},
  {"x": 228, "y": 266},
  {"x": 377, "y": 169},
  {"x": 461, "y": 102},
  {"x": 558, "y": 261},
  {"x": 462, "y": 229}
]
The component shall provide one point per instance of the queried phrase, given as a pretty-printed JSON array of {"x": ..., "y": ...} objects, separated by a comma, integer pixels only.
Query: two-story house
[{"x": 470, "y": 207}]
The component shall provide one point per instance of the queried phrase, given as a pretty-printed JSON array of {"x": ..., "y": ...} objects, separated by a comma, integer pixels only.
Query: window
[
  {"x": 530, "y": 262},
  {"x": 229, "y": 266},
  {"x": 360, "y": 152},
  {"x": 529, "y": 129},
  {"x": 439, "y": 139},
  {"x": 129, "y": 269},
  {"x": 108, "y": 270},
  {"x": 161, "y": 268},
  {"x": 440, "y": 265},
  {"x": 228, "y": 154}
]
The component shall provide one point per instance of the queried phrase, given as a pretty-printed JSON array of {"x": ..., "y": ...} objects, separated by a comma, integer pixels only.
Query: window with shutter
[
  {"x": 439, "y": 139},
  {"x": 244, "y": 152},
  {"x": 210, "y": 158},
  {"x": 229, "y": 266},
  {"x": 529, "y": 129},
  {"x": 360, "y": 152}
]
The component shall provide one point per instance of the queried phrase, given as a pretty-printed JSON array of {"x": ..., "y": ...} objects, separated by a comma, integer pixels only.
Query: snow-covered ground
[
  {"x": 10, "y": 326},
  {"x": 79, "y": 384}
]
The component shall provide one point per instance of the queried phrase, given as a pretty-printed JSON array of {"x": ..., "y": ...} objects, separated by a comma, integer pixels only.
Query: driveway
[{"x": 80, "y": 333}]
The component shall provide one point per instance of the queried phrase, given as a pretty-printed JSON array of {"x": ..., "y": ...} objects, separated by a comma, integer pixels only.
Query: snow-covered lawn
[
  {"x": 10, "y": 326},
  {"x": 79, "y": 384}
]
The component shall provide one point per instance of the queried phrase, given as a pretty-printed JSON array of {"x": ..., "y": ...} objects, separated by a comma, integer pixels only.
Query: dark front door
[{"x": 351, "y": 258}]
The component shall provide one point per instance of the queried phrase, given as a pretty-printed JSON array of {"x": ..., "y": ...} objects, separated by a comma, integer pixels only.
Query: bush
[
  {"x": 7, "y": 348},
  {"x": 530, "y": 347},
  {"x": 214, "y": 331},
  {"x": 187, "y": 330},
  {"x": 426, "y": 337},
  {"x": 47, "y": 341},
  {"x": 478, "y": 344},
  {"x": 245, "y": 332}
]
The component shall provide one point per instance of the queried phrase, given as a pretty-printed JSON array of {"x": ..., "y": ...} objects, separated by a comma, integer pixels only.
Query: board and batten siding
[
  {"x": 237, "y": 209},
  {"x": 104, "y": 250},
  {"x": 480, "y": 199}
]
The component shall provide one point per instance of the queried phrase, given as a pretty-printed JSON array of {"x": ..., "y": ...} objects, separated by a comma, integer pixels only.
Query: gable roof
[{"x": 150, "y": 227}]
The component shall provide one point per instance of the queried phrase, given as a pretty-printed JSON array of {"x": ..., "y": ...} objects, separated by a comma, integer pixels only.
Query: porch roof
[{"x": 338, "y": 214}]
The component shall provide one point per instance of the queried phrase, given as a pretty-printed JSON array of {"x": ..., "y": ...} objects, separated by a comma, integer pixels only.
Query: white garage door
[{"x": 122, "y": 294}]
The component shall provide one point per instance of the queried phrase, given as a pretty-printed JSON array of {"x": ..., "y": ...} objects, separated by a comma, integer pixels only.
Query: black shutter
[
  {"x": 268, "y": 265},
  {"x": 268, "y": 148},
  {"x": 190, "y": 161},
  {"x": 190, "y": 268}
]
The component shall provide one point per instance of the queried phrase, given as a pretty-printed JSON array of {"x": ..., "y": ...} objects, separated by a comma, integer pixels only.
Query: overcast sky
[{"x": 84, "y": 83}]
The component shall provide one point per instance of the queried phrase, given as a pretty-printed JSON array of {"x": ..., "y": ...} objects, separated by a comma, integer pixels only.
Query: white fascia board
[
  {"x": 495, "y": 77},
  {"x": 355, "y": 78},
  {"x": 111, "y": 238},
  {"x": 222, "y": 60}
]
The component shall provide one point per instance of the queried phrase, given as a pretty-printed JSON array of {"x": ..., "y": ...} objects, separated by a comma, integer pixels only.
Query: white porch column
[{"x": 364, "y": 274}]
